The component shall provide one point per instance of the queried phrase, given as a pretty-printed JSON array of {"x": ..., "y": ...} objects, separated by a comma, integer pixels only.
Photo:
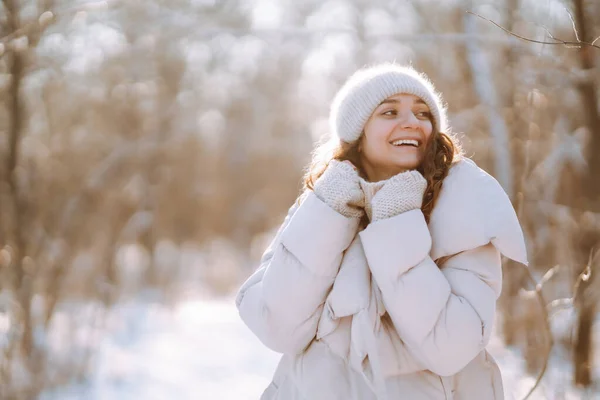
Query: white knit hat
[{"x": 367, "y": 88}]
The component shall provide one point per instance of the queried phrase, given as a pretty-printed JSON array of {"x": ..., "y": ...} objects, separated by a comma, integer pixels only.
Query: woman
[{"x": 383, "y": 279}]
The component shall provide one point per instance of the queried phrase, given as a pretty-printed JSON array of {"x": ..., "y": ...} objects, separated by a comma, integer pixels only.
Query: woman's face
[{"x": 395, "y": 137}]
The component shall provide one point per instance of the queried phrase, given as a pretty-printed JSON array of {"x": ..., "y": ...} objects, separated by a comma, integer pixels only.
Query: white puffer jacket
[{"x": 399, "y": 310}]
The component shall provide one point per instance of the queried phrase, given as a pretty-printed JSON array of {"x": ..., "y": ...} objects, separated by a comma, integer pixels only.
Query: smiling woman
[
  {"x": 383, "y": 279},
  {"x": 396, "y": 136},
  {"x": 374, "y": 108}
]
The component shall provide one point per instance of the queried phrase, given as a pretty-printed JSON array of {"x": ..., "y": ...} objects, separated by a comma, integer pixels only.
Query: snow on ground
[{"x": 200, "y": 349}]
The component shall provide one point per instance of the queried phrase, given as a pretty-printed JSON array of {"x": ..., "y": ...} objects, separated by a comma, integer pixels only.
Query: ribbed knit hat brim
[{"x": 367, "y": 88}]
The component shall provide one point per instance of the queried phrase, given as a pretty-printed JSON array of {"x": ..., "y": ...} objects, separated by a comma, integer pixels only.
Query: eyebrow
[{"x": 394, "y": 101}]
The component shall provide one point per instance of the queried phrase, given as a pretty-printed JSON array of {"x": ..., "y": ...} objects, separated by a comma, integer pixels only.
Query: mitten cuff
[{"x": 338, "y": 187}]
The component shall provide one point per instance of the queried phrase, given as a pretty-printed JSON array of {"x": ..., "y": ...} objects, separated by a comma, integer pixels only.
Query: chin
[{"x": 408, "y": 164}]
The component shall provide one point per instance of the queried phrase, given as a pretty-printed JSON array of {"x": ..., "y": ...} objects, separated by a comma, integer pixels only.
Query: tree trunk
[
  {"x": 583, "y": 352},
  {"x": 513, "y": 281},
  {"x": 483, "y": 82},
  {"x": 14, "y": 236},
  {"x": 582, "y": 356}
]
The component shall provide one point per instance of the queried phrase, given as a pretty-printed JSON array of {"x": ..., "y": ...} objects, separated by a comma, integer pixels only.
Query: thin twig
[
  {"x": 585, "y": 275},
  {"x": 573, "y": 24},
  {"x": 551, "y": 273},
  {"x": 547, "y": 276},
  {"x": 577, "y": 44}
]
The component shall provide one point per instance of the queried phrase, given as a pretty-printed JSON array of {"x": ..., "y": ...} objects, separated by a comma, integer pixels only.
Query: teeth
[{"x": 411, "y": 142}]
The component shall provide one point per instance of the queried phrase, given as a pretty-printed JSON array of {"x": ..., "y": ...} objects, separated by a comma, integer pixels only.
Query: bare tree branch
[
  {"x": 560, "y": 304},
  {"x": 577, "y": 44},
  {"x": 547, "y": 330},
  {"x": 555, "y": 305}
]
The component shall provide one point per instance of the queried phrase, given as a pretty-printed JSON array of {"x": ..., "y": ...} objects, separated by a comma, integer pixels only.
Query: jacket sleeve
[
  {"x": 444, "y": 315},
  {"x": 283, "y": 300}
]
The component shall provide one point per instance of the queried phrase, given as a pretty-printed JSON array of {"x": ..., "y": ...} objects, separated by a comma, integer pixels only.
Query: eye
[
  {"x": 389, "y": 112},
  {"x": 423, "y": 114}
]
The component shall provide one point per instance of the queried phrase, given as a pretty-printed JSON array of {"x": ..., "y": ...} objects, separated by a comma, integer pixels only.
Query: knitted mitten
[
  {"x": 400, "y": 193},
  {"x": 370, "y": 189},
  {"x": 338, "y": 187}
]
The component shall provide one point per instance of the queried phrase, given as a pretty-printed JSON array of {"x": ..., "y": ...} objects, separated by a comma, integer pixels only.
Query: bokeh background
[{"x": 149, "y": 148}]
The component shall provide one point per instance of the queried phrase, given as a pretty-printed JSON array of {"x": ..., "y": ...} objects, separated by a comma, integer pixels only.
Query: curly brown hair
[{"x": 441, "y": 152}]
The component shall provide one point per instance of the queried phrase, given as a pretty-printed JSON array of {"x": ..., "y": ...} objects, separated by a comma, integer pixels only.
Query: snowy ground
[{"x": 201, "y": 350}]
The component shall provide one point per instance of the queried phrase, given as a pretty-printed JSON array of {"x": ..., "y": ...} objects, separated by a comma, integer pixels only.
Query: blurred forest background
[{"x": 152, "y": 146}]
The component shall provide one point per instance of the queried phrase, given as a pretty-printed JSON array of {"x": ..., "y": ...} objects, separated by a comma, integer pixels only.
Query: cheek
[
  {"x": 378, "y": 130},
  {"x": 373, "y": 148},
  {"x": 427, "y": 128}
]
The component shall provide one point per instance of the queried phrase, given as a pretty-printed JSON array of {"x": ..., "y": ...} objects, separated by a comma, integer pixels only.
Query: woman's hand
[
  {"x": 339, "y": 188},
  {"x": 400, "y": 193}
]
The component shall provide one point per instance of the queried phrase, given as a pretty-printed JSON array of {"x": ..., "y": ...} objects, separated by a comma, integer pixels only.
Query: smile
[{"x": 405, "y": 142}]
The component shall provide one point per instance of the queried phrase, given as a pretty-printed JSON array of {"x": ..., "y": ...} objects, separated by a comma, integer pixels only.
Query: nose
[{"x": 408, "y": 120}]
